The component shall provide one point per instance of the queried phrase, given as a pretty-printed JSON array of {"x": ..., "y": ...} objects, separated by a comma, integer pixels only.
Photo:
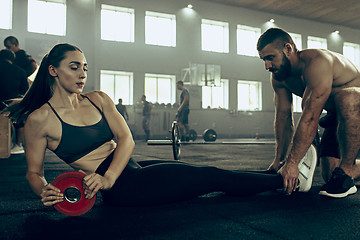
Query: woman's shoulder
[
  {"x": 40, "y": 115},
  {"x": 98, "y": 97}
]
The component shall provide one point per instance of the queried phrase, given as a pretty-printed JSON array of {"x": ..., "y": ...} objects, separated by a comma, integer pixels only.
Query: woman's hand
[
  {"x": 93, "y": 183},
  {"x": 50, "y": 195}
]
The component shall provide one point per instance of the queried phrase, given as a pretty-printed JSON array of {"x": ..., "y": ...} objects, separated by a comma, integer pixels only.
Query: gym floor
[{"x": 270, "y": 215}]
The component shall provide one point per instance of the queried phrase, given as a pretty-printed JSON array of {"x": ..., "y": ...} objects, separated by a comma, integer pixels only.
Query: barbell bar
[{"x": 175, "y": 141}]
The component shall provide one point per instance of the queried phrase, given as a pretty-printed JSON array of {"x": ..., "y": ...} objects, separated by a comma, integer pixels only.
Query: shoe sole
[
  {"x": 307, "y": 168},
  {"x": 351, "y": 191}
]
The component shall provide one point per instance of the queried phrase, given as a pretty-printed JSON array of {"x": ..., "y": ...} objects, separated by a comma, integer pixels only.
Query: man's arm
[
  {"x": 283, "y": 124},
  {"x": 318, "y": 76}
]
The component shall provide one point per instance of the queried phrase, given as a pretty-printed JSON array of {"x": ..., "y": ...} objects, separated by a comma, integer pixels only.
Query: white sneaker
[
  {"x": 16, "y": 149},
  {"x": 307, "y": 167}
]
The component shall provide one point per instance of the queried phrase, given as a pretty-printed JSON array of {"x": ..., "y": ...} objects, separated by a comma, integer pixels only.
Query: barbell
[
  {"x": 209, "y": 135},
  {"x": 175, "y": 141}
]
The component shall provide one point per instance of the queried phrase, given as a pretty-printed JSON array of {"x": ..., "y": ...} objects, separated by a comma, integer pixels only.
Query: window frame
[
  {"x": 256, "y": 31},
  {"x": 119, "y": 11},
  {"x": 259, "y": 93},
  {"x": 8, "y": 24},
  {"x": 47, "y": 25},
  {"x": 356, "y": 55},
  {"x": 224, "y": 39},
  {"x": 114, "y": 96},
  {"x": 225, "y": 95},
  {"x": 322, "y": 41},
  {"x": 148, "y": 28},
  {"x": 163, "y": 76}
]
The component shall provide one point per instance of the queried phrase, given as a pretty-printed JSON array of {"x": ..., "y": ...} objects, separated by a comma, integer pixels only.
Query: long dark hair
[{"x": 41, "y": 89}]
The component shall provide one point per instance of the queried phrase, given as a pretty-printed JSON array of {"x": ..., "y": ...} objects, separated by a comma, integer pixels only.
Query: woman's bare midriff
[{"x": 90, "y": 162}]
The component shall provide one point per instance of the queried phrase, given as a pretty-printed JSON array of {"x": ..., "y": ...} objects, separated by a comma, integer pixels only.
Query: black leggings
[{"x": 160, "y": 182}]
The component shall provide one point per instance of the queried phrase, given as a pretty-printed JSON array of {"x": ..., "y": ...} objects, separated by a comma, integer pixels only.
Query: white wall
[{"x": 83, "y": 30}]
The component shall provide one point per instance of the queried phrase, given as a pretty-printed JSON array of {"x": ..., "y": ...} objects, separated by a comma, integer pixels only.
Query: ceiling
[{"x": 335, "y": 12}]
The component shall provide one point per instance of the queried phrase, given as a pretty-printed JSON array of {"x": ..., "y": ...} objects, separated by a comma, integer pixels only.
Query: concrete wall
[{"x": 83, "y": 30}]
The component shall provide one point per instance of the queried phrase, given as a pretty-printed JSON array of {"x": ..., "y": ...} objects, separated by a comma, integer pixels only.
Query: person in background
[
  {"x": 122, "y": 109},
  {"x": 22, "y": 59},
  {"x": 13, "y": 84},
  {"x": 182, "y": 114},
  {"x": 146, "y": 117}
]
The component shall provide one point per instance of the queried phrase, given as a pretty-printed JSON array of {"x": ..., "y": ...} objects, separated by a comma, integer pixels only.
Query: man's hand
[
  {"x": 275, "y": 165},
  {"x": 290, "y": 174}
]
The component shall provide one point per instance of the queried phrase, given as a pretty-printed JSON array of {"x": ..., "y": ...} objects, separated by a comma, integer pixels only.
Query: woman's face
[{"x": 72, "y": 72}]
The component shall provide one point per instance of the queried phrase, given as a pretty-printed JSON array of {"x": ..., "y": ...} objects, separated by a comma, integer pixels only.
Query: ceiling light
[
  {"x": 272, "y": 20},
  {"x": 190, "y": 6}
]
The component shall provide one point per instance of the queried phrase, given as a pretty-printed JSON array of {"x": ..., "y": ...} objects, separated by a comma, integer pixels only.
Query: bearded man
[{"x": 326, "y": 81}]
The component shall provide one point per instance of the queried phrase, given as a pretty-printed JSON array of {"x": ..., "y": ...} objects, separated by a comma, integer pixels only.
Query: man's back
[
  {"x": 25, "y": 61},
  {"x": 13, "y": 81}
]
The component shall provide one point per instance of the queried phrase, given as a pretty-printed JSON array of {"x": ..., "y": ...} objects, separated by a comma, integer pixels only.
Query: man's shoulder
[
  {"x": 185, "y": 91},
  {"x": 21, "y": 53}
]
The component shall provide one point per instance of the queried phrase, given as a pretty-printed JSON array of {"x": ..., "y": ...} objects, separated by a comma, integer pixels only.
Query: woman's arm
[
  {"x": 123, "y": 150},
  {"x": 35, "y": 146}
]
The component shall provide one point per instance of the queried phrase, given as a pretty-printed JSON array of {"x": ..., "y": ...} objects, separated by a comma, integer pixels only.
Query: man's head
[
  {"x": 120, "y": 100},
  {"x": 180, "y": 85},
  {"x": 7, "y": 55},
  {"x": 143, "y": 98},
  {"x": 11, "y": 43},
  {"x": 274, "y": 47}
]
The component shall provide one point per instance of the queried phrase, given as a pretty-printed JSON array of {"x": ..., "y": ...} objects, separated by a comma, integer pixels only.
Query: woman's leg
[{"x": 175, "y": 181}]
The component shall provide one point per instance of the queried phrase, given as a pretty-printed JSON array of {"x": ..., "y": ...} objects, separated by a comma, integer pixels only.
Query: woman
[{"x": 79, "y": 128}]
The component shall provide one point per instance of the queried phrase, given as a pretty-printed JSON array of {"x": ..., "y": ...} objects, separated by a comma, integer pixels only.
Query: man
[
  {"x": 22, "y": 59},
  {"x": 146, "y": 117},
  {"x": 122, "y": 109},
  {"x": 182, "y": 114},
  {"x": 13, "y": 84},
  {"x": 325, "y": 80}
]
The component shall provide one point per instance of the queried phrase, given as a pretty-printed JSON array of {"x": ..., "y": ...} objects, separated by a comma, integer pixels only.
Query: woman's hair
[{"x": 41, "y": 89}]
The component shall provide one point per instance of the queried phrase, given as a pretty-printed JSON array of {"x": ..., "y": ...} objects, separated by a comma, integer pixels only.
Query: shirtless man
[{"x": 324, "y": 80}]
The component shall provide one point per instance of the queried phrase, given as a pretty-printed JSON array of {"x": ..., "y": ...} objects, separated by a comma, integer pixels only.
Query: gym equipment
[
  {"x": 209, "y": 135},
  {"x": 174, "y": 142},
  {"x": 71, "y": 185}
]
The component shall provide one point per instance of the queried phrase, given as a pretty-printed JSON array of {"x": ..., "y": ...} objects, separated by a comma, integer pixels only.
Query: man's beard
[{"x": 284, "y": 71}]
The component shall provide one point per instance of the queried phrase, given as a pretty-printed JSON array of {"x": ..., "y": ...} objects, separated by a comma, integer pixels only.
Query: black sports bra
[{"x": 77, "y": 141}]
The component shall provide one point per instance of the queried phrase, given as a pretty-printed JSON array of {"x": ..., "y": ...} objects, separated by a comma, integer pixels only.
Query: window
[
  {"x": 316, "y": 42},
  {"x": 352, "y": 52},
  {"x": 249, "y": 96},
  {"x": 160, "y": 29},
  {"x": 247, "y": 38},
  {"x": 297, "y": 103},
  {"x": 6, "y": 14},
  {"x": 214, "y": 36},
  {"x": 216, "y": 97},
  {"x": 47, "y": 16},
  {"x": 117, "y": 24},
  {"x": 117, "y": 85},
  {"x": 160, "y": 88},
  {"x": 297, "y": 40}
]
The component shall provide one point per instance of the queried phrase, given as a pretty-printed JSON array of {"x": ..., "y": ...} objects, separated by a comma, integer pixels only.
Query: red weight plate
[{"x": 73, "y": 180}]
